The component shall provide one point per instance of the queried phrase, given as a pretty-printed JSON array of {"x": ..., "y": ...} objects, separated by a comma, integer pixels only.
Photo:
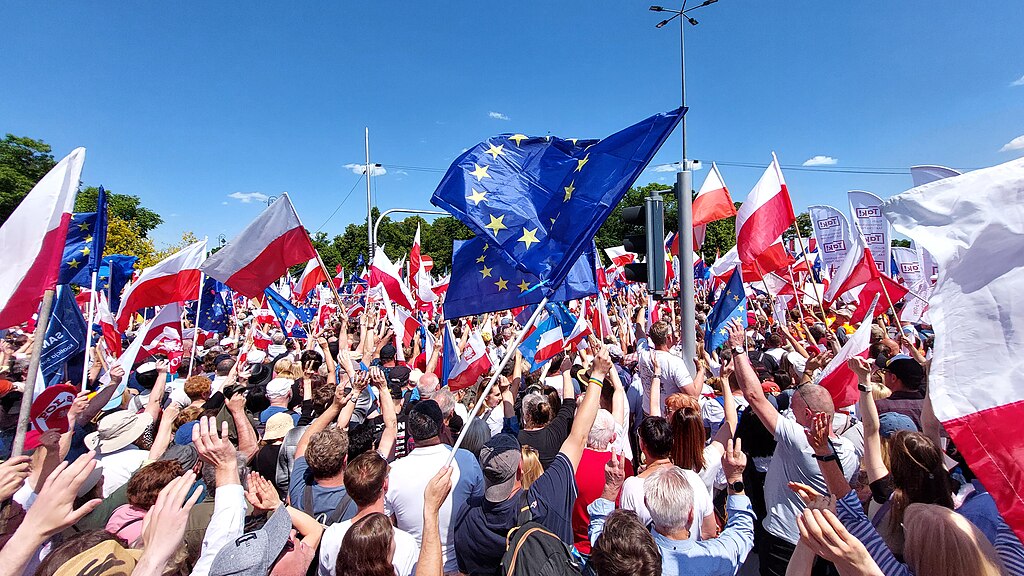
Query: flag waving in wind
[
  {"x": 766, "y": 214},
  {"x": 732, "y": 304},
  {"x": 288, "y": 316},
  {"x": 712, "y": 203},
  {"x": 540, "y": 200},
  {"x": 173, "y": 279}
]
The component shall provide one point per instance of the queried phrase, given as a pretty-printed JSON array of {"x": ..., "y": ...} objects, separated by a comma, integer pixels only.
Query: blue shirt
[
  {"x": 266, "y": 414},
  {"x": 325, "y": 500},
  {"x": 720, "y": 556}
]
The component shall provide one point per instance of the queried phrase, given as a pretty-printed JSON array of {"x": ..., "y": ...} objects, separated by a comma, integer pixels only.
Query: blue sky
[{"x": 187, "y": 104}]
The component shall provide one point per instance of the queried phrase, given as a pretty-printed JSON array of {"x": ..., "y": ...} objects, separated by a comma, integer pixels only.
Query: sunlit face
[{"x": 493, "y": 397}]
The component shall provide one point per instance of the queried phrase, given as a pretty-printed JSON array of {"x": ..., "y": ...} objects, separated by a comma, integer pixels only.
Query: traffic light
[{"x": 650, "y": 244}]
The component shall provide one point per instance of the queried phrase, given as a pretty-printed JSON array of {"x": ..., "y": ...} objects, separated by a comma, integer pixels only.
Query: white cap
[
  {"x": 279, "y": 387},
  {"x": 256, "y": 356}
]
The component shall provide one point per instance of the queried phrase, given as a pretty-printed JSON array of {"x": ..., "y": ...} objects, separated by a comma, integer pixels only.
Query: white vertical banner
[
  {"x": 832, "y": 232},
  {"x": 930, "y": 173},
  {"x": 866, "y": 209},
  {"x": 908, "y": 265}
]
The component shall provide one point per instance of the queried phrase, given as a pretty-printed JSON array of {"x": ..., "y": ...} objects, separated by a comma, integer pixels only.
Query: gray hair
[
  {"x": 428, "y": 385},
  {"x": 669, "y": 498},
  {"x": 603, "y": 431},
  {"x": 277, "y": 337},
  {"x": 445, "y": 401},
  {"x": 476, "y": 435}
]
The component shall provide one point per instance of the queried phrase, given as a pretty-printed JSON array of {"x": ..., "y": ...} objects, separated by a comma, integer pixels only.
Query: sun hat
[
  {"x": 118, "y": 430},
  {"x": 499, "y": 461},
  {"x": 254, "y": 553},
  {"x": 278, "y": 425}
]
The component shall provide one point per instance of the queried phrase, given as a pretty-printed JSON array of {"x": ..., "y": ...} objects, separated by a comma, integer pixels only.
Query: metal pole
[
  {"x": 88, "y": 333},
  {"x": 28, "y": 392},
  {"x": 684, "y": 203},
  {"x": 380, "y": 218},
  {"x": 195, "y": 327},
  {"x": 369, "y": 201}
]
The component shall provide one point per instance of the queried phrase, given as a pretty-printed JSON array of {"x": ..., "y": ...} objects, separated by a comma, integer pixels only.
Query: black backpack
[{"x": 533, "y": 550}]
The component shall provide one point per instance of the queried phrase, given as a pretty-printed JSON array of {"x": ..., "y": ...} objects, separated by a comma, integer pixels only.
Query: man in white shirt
[
  {"x": 366, "y": 481},
  {"x": 116, "y": 453},
  {"x": 409, "y": 477},
  {"x": 675, "y": 373}
]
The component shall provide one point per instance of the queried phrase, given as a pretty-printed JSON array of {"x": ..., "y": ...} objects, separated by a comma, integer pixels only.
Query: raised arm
[
  {"x": 156, "y": 395},
  {"x": 568, "y": 390},
  {"x": 359, "y": 383},
  {"x": 873, "y": 463},
  {"x": 587, "y": 412},
  {"x": 248, "y": 442},
  {"x": 328, "y": 359},
  {"x": 655, "y": 408},
  {"x": 387, "y": 412},
  {"x": 747, "y": 380},
  {"x": 431, "y": 561}
]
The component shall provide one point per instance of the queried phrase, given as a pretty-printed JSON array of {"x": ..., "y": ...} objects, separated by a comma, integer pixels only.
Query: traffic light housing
[{"x": 651, "y": 244}]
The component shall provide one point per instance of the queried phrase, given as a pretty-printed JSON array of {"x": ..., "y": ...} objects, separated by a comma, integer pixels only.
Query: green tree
[
  {"x": 23, "y": 162},
  {"x": 901, "y": 243},
  {"x": 124, "y": 206}
]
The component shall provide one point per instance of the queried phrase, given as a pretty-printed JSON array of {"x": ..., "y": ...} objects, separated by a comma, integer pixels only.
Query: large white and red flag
[
  {"x": 173, "y": 279},
  {"x": 619, "y": 256},
  {"x": 164, "y": 335},
  {"x": 263, "y": 252},
  {"x": 837, "y": 377},
  {"x": 311, "y": 277},
  {"x": 971, "y": 224},
  {"x": 473, "y": 363},
  {"x": 33, "y": 240},
  {"x": 766, "y": 214},
  {"x": 712, "y": 203},
  {"x": 384, "y": 273},
  {"x": 419, "y": 273}
]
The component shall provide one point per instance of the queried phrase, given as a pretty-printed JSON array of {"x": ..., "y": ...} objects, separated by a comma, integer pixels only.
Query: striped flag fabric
[
  {"x": 173, "y": 279},
  {"x": 310, "y": 278},
  {"x": 712, "y": 202},
  {"x": 766, "y": 214},
  {"x": 387, "y": 274},
  {"x": 543, "y": 343},
  {"x": 473, "y": 363}
]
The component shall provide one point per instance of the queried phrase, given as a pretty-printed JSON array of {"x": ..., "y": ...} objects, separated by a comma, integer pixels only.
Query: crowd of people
[{"x": 334, "y": 456}]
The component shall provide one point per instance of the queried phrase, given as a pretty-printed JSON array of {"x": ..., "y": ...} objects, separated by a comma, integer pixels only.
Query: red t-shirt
[{"x": 589, "y": 486}]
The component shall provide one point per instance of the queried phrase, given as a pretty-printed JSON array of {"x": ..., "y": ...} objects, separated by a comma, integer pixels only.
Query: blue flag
[
  {"x": 76, "y": 262},
  {"x": 288, "y": 316},
  {"x": 115, "y": 272},
  {"x": 483, "y": 281},
  {"x": 450, "y": 355},
  {"x": 731, "y": 304},
  {"x": 540, "y": 200},
  {"x": 564, "y": 318},
  {"x": 99, "y": 235},
  {"x": 65, "y": 336},
  {"x": 214, "y": 306}
]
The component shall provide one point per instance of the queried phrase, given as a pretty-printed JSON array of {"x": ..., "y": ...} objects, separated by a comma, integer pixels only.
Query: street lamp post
[{"x": 684, "y": 195}]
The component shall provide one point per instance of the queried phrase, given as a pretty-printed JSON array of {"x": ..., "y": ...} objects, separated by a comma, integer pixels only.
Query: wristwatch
[
  {"x": 863, "y": 388},
  {"x": 737, "y": 486},
  {"x": 739, "y": 349}
]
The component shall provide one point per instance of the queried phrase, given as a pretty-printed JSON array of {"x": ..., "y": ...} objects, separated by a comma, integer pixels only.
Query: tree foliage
[
  {"x": 124, "y": 206},
  {"x": 23, "y": 162}
]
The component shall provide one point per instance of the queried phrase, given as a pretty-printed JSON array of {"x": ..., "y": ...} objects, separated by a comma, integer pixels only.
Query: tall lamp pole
[{"x": 684, "y": 196}]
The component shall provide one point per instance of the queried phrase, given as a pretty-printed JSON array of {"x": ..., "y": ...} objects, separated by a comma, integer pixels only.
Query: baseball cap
[
  {"x": 278, "y": 425},
  {"x": 399, "y": 375},
  {"x": 279, "y": 387},
  {"x": 254, "y": 553},
  {"x": 890, "y": 423},
  {"x": 903, "y": 367},
  {"x": 388, "y": 351},
  {"x": 499, "y": 460}
]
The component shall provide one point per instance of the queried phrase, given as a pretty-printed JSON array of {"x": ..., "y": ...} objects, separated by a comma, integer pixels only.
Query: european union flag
[
  {"x": 288, "y": 316},
  {"x": 65, "y": 337},
  {"x": 76, "y": 262},
  {"x": 213, "y": 308},
  {"x": 540, "y": 200},
  {"x": 115, "y": 272},
  {"x": 483, "y": 281},
  {"x": 731, "y": 304}
]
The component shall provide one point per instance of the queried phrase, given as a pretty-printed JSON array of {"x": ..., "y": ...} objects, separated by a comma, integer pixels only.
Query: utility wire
[
  {"x": 343, "y": 200},
  {"x": 870, "y": 170}
]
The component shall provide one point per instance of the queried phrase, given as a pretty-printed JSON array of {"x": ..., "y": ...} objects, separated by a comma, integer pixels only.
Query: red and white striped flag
[
  {"x": 419, "y": 273},
  {"x": 713, "y": 202},
  {"x": 473, "y": 363},
  {"x": 766, "y": 214},
  {"x": 173, "y": 279},
  {"x": 384, "y": 273},
  {"x": 33, "y": 240},
  {"x": 311, "y": 277},
  {"x": 836, "y": 377},
  {"x": 263, "y": 252}
]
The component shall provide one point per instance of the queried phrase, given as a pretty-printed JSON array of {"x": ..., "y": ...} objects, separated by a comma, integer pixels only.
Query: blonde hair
[
  {"x": 678, "y": 401},
  {"x": 940, "y": 542},
  {"x": 532, "y": 468},
  {"x": 880, "y": 391},
  {"x": 285, "y": 368}
]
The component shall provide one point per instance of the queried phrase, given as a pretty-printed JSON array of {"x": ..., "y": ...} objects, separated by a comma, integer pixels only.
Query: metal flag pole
[
  {"x": 199, "y": 306},
  {"x": 88, "y": 332},
  {"x": 494, "y": 377},
  {"x": 28, "y": 392}
]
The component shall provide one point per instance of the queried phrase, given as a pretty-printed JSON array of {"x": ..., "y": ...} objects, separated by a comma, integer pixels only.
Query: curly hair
[
  {"x": 326, "y": 452},
  {"x": 198, "y": 388},
  {"x": 146, "y": 484}
]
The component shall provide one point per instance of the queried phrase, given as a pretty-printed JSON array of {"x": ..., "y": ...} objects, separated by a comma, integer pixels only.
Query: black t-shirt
[
  {"x": 265, "y": 462},
  {"x": 548, "y": 440},
  {"x": 480, "y": 533}
]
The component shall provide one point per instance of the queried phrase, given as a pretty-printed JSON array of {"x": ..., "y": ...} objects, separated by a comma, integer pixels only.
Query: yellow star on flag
[
  {"x": 524, "y": 286},
  {"x": 486, "y": 246},
  {"x": 573, "y": 140},
  {"x": 73, "y": 263},
  {"x": 85, "y": 251},
  {"x": 496, "y": 225},
  {"x": 502, "y": 284},
  {"x": 569, "y": 190},
  {"x": 583, "y": 162},
  {"x": 480, "y": 172},
  {"x": 476, "y": 197},
  {"x": 495, "y": 151},
  {"x": 529, "y": 237},
  {"x": 83, "y": 226},
  {"x": 518, "y": 138},
  {"x": 486, "y": 272},
  {"x": 480, "y": 259},
  {"x": 736, "y": 298},
  {"x": 723, "y": 332},
  {"x": 88, "y": 239}
]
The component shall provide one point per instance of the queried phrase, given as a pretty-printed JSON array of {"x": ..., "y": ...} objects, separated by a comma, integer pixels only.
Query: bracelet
[
  {"x": 826, "y": 458},
  {"x": 595, "y": 381}
]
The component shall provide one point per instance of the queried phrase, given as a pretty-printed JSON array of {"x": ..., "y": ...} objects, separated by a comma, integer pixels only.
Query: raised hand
[
  {"x": 437, "y": 490},
  {"x": 262, "y": 494},
  {"x": 826, "y": 536},
  {"x": 13, "y": 473},
  {"x": 818, "y": 433},
  {"x": 54, "y": 508},
  {"x": 216, "y": 450},
  {"x": 737, "y": 335},
  {"x": 734, "y": 461},
  {"x": 614, "y": 476},
  {"x": 860, "y": 366},
  {"x": 163, "y": 528}
]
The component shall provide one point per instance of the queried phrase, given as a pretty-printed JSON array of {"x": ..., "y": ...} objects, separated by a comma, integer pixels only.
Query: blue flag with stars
[
  {"x": 76, "y": 262},
  {"x": 483, "y": 281},
  {"x": 731, "y": 304},
  {"x": 214, "y": 306},
  {"x": 288, "y": 316},
  {"x": 115, "y": 272},
  {"x": 540, "y": 200}
]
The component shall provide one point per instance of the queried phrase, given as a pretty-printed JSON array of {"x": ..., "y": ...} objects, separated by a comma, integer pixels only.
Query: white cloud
[
  {"x": 1015, "y": 144},
  {"x": 497, "y": 116},
  {"x": 402, "y": 172},
  {"x": 361, "y": 169},
  {"x": 1018, "y": 82},
  {"x": 820, "y": 160},
  {"x": 247, "y": 197},
  {"x": 223, "y": 203},
  {"x": 673, "y": 167}
]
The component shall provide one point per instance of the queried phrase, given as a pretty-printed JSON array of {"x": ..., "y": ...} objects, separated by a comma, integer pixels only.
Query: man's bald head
[
  {"x": 810, "y": 399},
  {"x": 428, "y": 384}
]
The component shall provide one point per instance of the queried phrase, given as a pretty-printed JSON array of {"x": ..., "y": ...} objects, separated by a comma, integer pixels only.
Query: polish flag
[
  {"x": 164, "y": 335},
  {"x": 173, "y": 279},
  {"x": 264, "y": 316},
  {"x": 473, "y": 364},
  {"x": 405, "y": 325},
  {"x": 339, "y": 278},
  {"x": 441, "y": 286},
  {"x": 773, "y": 258},
  {"x": 712, "y": 203},
  {"x": 837, "y": 378},
  {"x": 419, "y": 273},
  {"x": 550, "y": 341},
  {"x": 579, "y": 332},
  {"x": 725, "y": 264},
  {"x": 263, "y": 251},
  {"x": 386, "y": 274},
  {"x": 844, "y": 279},
  {"x": 111, "y": 337},
  {"x": 33, "y": 240},
  {"x": 766, "y": 214},
  {"x": 599, "y": 316},
  {"x": 620, "y": 257},
  {"x": 356, "y": 309},
  {"x": 261, "y": 340},
  {"x": 311, "y": 277}
]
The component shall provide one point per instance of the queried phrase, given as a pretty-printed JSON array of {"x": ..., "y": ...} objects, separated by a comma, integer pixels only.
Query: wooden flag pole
[
  {"x": 494, "y": 377},
  {"x": 28, "y": 392}
]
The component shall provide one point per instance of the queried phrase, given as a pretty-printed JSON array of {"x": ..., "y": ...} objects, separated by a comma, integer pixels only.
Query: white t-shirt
[
  {"x": 674, "y": 375},
  {"x": 555, "y": 382},
  {"x": 407, "y": 550},
  {"x": 494, "y": 417},
  {"x": 408, "y": 479},
  {"x": 632, "y": 498},
  {"x": 119, "y": 466}
]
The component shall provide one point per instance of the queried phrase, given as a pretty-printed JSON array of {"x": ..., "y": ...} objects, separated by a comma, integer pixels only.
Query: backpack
[
  {"x": 533, "y": 550},
  {"x": 325, "y": 518}
]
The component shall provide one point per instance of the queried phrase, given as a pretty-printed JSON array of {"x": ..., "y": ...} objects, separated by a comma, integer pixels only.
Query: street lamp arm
[{"x": 376, "y": 225}]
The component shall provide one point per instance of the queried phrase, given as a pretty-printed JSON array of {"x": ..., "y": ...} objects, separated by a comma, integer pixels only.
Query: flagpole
[
  {"x": 494, "y": 377},
  {"x": 803, "y": 249},
  {"x": 88, "y": 333},
  {"x": 28, "y": 392},
  {"x": 199, "y": 307}
]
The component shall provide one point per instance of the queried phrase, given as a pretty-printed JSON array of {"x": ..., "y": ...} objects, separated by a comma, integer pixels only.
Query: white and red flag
[
  {"x": 310, "y": 278},
  {"x": 164, "y": 335},
  {"x": 33, "y": 240},
  {"x": 111, "y": 337},
  {"x": 766, "y": 214},
  {"x": 619, "y": 256},
  {"x": 419, "y": 273},
  {"x": 384, "y": 273},
  {"x": 836, "y": 377},
  {"x": 173, "y": 279},
  {"x": 263, "y": 252},
  {"x": 713, "y": 202},
  {"x": 971, "y": 224},
  {"x": 473, "y": 363}
]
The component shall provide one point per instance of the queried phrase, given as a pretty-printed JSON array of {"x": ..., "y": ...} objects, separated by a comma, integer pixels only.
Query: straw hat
[{"x": 117, "y": 430}]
